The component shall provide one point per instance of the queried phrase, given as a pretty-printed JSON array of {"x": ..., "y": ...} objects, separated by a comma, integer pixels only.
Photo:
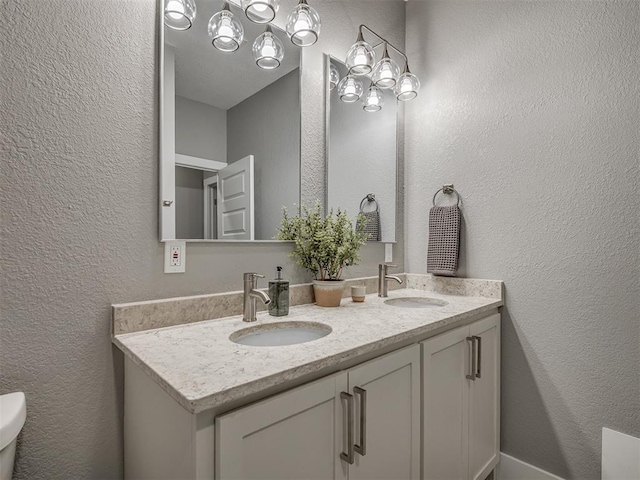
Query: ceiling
[{"x": 206, "y": 75}]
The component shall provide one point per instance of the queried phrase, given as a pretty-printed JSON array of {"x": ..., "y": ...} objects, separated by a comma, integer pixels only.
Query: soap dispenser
[{"x": 279, "y": 293}]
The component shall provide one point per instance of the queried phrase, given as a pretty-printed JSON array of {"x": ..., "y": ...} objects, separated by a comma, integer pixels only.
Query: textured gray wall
[
  {"x": 201, "y": 130},
  {"x": 267, "y": 126},
  {"x": 79, "y": 213},
  {"x": 531, "y": 110}
]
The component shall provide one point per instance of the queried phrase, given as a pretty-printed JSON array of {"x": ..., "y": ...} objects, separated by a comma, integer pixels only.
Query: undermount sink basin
[
  {"x": 416, "y": 302},
  {"x": 280, "y": 334}
]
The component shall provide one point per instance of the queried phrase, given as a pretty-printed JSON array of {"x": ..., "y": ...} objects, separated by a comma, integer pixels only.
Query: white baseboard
[
  {"x": 620, "y": 456},
  {"x": 511, "y": 468}
]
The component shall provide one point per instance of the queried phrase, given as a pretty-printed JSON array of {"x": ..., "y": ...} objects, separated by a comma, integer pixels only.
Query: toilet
[{"x": 13, "y": 413}]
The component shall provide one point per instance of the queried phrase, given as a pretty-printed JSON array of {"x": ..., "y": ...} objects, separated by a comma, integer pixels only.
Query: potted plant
[{"x": 324, "y": 245}]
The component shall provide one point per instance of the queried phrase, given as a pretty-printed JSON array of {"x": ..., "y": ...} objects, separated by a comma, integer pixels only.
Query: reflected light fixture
[
  {"x": 303, "y": 25},
  {"x": 268, "y": 50},
  {"x": 179, "y": 14},
  {"x": 225, "y": 31},
  {"x": 373, "y": 100},
  {"x": 350, "y": 89},
  {"x": 334, "y": 76},
  {"x": 386, "y": 71},
  {"x": 407, "y": 86},
  {"x": 360, "y": 57},
  {"x": 260, "y": 11}
]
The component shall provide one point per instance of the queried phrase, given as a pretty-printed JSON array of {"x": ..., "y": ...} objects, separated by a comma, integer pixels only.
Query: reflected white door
[{"x": 236, "y": 201}]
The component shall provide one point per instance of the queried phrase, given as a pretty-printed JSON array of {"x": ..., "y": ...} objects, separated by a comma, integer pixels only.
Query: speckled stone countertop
[{"x": 201, "y": 368}]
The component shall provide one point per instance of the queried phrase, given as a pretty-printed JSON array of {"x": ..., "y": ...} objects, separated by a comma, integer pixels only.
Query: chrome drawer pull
[
  {"x": 472, "y": 356},
  {"x": 479, "y": 340},
  {"x": 348, "y": 456},
  {"x": 361, "y": 447}
]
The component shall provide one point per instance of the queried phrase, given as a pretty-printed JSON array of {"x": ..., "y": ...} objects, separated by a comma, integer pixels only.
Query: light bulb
[
  {"x": 179, "y": 14},
  {"x": 385, "y": 72},
  {"x": 350, "y": 89},
  {"x": 303, "y": 25},
  {"x": 268, "y": 50},
  {"x": 373, "y": 99},
  {"x": 360, "y": 57},
  {"x": 225, "y": 31},
  {"x": 407, "y": 86},
  {"x": 260, "y": 11}
]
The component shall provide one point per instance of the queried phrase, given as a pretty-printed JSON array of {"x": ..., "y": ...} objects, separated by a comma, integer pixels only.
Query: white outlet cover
[{"x": 171, "y": 250}]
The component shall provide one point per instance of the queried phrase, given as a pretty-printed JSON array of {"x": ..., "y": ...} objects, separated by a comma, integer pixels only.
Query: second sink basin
[
  {"x": 280, "y": 334},
  {"x": 416, "y": 302}
]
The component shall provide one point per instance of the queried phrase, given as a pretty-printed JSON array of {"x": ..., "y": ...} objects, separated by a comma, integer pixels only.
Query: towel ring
[
  {"x": 371, "y": 197},
  {"x": 447, "y": 189}
]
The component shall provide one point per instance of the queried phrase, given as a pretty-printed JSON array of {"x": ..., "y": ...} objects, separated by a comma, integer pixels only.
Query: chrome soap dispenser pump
[{"x": 279, "y": 293}]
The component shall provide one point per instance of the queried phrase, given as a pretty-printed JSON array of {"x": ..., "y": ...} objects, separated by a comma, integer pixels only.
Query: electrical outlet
[
  {"x": 388, "y": 252},
  {"x": 175, "y": 257}
]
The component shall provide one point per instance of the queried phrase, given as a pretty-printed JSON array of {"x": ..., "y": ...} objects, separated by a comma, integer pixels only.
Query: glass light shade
[
  {"x": 373, "y": 100},
  {"x": 350, "y": 89},
  {"x": 268, "y": 50},
  {"x": 225, "y": 31},
  {"x": 179, "y": 14},
  {"x": 334, "y": 76},
  {"x": 385, "y": 72},
  {"x": 303, "y": 25},
  {"x": 407, "y": 86},
  {"x": 360, "y": 58},
  {"x": 260, "y": 11}
]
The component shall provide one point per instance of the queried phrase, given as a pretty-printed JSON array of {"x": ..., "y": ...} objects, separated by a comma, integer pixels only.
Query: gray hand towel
[{"x": 444, "y": 240}]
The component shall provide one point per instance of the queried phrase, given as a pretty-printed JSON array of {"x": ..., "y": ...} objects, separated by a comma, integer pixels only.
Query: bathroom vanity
[{"x": 397, "y": 389}]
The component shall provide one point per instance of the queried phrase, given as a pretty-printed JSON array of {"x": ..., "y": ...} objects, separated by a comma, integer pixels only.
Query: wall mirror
[
  {"x": 361, "y": 150},
  {"x": 230, "y": 133}
]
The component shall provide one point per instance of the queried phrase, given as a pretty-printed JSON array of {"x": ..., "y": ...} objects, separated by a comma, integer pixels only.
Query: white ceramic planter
[{"x": 328, "y": 293}]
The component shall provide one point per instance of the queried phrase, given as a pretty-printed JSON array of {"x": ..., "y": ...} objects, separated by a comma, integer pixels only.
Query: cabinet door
[
  {"x": 484, "y": 399},
  {"x": 295, "y": 435},
  {"x": 446, "y": 405},
  {"x": 388, "y": 427}
]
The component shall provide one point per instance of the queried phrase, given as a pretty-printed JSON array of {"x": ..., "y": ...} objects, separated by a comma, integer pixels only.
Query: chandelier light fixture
[
  {"x": 179, "y": 14},
  {"x": 225, "y": 31},
  {"x": 260, "y": 11},
  {"x": 268, "y": 50},
  {"x": 303, "y": 25},
  {"x": 384, "y": 74}
]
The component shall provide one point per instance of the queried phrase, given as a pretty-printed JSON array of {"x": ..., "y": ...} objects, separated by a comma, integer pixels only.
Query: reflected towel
[{"x": 444, "y": 240}]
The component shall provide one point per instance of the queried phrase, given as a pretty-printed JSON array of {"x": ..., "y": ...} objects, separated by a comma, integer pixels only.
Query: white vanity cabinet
[
  {"x": 362, "y": 423},
  {"x": 461, "y": 401}
]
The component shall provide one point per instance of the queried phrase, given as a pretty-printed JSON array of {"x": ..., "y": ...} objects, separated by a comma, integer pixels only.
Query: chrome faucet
[
  {"x": 251, "y": 294},
  {"x": 383, "y": 278}
]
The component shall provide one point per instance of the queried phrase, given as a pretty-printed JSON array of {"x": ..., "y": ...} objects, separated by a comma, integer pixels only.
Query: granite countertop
[{"x": 201, "y": 368}]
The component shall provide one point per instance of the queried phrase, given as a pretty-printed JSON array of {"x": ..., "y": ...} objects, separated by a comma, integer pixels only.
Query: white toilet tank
[{"x": 13, "y": 413}]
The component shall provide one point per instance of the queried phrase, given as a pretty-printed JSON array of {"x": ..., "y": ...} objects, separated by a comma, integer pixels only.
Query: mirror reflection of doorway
[{"x": 210, "y": 186}]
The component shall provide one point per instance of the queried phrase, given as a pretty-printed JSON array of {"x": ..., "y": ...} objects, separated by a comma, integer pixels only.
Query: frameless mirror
[
  {"x": 361, "y": 151},
  {"x": 230, "y": 133}
]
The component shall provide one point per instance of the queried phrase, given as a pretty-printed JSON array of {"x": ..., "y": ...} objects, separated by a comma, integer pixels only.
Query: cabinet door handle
[
  {"x": 479, "y": 355},
  {"x": 472, "y": 357},
  {"x": 361, "y": 447},
  {"x": 348, "y": 456}
]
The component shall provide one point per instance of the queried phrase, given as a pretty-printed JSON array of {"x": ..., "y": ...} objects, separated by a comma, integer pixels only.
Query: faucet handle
[
  {"x": 391, "y": 265},
  {"x": 252, "y": 276}
]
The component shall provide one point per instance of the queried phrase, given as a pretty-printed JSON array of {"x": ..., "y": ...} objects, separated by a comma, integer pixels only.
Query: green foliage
[{"x": 324, "y": 244}]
